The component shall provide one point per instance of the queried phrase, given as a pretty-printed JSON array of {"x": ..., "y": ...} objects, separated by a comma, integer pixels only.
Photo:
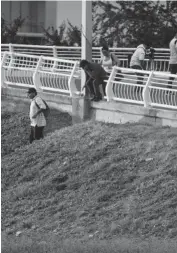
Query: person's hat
[{"x": 32, "y": 90}]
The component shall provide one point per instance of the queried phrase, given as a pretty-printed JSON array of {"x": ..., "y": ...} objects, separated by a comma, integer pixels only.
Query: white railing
[
  {"x": 122, "y": 85},
  {"x": 74, "y": 53},
  {"x": 43, "y": 73},
  {"x": 148, "y": 88},
  {"x": 162, "y": 90},
  {"x": 161, "y": 65}
]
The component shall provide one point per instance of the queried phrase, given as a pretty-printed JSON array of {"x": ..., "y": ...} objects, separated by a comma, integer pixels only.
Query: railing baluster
[
  {"x": 11, "y": 49},
  {"x": 71, "y": 81},
  {"x": 109, "y": 86},
  {"x": 54, "y": 51},
  {"x": 3, "y": 76},
  {"x": 146, "y": 91},
  {"x": 36, "y": 77}
]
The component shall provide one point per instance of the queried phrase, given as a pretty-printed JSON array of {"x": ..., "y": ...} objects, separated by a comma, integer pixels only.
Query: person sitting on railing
[
  {"x": 95, "y": 76},
  {"x": 137, "y": 62},
  {"x": 108, "y": 59},
  {"x": 173, "y": 59}
]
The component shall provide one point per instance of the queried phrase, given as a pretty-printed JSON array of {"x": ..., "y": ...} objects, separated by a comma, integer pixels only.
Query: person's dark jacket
[{"x": 96, "y": 71}]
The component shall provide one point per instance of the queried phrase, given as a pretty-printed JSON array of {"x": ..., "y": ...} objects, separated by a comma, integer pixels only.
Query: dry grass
[{"x": 92, "y": 181}]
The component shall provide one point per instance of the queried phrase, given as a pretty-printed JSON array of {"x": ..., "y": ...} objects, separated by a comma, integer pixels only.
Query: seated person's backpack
[{"x": 46, "y": 111}]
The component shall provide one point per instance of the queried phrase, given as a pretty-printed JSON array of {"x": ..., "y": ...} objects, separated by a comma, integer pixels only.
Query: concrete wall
[
  {"x": 120, "y": 113},
  {"x": 57, "y": 101},
  {"x": 109, "y": 112}
]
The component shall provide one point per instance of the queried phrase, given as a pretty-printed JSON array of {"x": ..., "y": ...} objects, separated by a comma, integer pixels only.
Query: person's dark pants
[
  {"x": 93, "y": 86},
  {"x": 139, "y": 77},
  {"x": 36, "y": 133},
  {"x": 90, "y": 88},
  {"x": 96, "y": 86},
  {"x": 173, "y": 70}
]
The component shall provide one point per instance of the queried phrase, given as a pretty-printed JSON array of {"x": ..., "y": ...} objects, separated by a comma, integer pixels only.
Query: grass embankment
[
  {"x": 91, "y": 181},
  {"x": 16, "y": 125}
]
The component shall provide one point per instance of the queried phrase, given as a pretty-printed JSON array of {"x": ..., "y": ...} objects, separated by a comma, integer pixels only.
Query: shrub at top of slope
[{"x": 94, "y": 177}]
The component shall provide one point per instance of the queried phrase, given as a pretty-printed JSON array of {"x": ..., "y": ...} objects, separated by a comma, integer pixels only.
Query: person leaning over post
[
  {"x": 95, "y": 76},
  {"x": 37, "y": 118}
]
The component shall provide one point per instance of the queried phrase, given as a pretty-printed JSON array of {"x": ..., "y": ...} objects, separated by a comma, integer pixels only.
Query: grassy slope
[
  {"x": 92, "y": 179},
  {"x": 16, "y": 125}
]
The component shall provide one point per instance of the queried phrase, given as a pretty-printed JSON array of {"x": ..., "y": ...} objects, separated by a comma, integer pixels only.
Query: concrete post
[
  {"x": 11, "y": 49},
  {"x": 81, "y": 104}
]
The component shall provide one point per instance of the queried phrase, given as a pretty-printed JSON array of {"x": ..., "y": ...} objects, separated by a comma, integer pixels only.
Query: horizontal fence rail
[
  {"x": 160, "y": 62},
  {"x": 43, "y": 73},
  {"x": 148, "y": 88}
]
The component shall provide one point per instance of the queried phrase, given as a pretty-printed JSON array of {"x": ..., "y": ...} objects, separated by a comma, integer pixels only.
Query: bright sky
[{"x": 73, "y": 10}]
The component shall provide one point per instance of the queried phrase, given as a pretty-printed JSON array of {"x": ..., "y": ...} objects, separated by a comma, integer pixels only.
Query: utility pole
[
  {"x": 86, "y": 53},
  {"x": 81, "y": 104},
  {"x": 87, "y": 30}
]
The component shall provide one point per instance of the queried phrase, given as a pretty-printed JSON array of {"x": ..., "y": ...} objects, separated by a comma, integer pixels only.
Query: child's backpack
[{"x": 46, "y": 111}]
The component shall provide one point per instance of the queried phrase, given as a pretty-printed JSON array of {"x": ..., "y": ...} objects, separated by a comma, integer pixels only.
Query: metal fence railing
[
  {"x": 41, "y": 72},
  {"x": 162, "y": 90},
  {"x": 148, "y": 88},
  {"x": 160, "y": 62}
]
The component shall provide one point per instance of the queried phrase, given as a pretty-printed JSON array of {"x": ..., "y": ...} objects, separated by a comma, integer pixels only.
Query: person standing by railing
[
  {"x": 137, "y": 62},
  {"x": 173, "y": 59},
  {"x": 108, "y": 59}
]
